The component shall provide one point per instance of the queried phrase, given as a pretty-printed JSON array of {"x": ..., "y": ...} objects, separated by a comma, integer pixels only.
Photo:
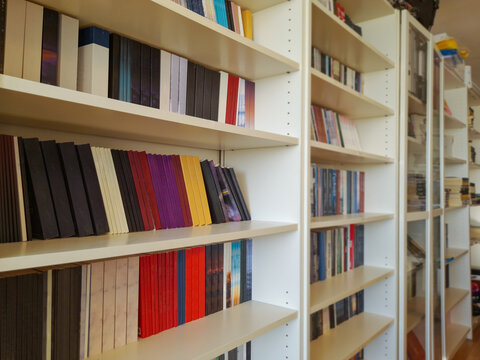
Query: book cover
[
  {"x": 190, "y": 190},
  {"x": 201, "y": 282},
  {"x": 180, "y": 182},
  {"x": 150, "y": 188},
  {"x": 223, "y": 92},
  {"x": 196, "y": 190},
  {"x": 230, "y": 204},
  {"x": 232, "y": 100},
  {"x": 96, "y": 309},
  {"x": 3, "y": 15},
  {"x": 249, "y": 104},
  {"x": 132, "y": 194},
  {"x": 199, "y": 90},
  {"x": 165, "y": 63},
  {"x": 214, "y": 95},
  {"x": 182, "y": 86},
  {"x": 108, "y": 334},
  {"x": 48, "y": 74},
  {"x": 141, "y": 191},
  {"x": 124, "y": 196},
  {"x": 220, "y": 290},
  {"x": 123, "y": 64},
  {"x": 228, "y": 9},
  {"x": 207, "y": 94},
  {"x": 247, "y": 24},
  {"x": 174, "y": 193},
  {"x": 237, "y": 193},
  {"x": 201, "y": 188},
  {"x": 212, "y": 194},
  {"x": 32, "y": 47},
  {"x": 235, "y": 17},
  {"x": 114, "y": 67},
  {"x": 145, "y": 74},
  {"x": 14, "y": 36},
  {"x": 220, "y": 13},
  {"x": 174, "y": 82},
  {"x": 67, "y": 52},
  {"x": 155, "y": 78},
  {"x": 191, "y": 86},
  {"x": 132, "y": 299},
  {"x": 135, "y": 71},
  {"x": 175, "y": 288}
]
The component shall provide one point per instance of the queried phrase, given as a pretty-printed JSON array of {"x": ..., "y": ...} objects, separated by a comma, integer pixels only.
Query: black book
[
  {"x": 232, "y": 354},
  {"x": 48, "y": 72},
  {"x": 76, "y": 190},
  {"x": 228, "y": 8},
  {"x": 134, "y": 53},
  {"x": 26, "y": 201},
  {"x": 44, "y": 224},
  {"x": 234, "y": 192},
  {"x": 243, "y": 271},
  {"x": 212, "y": 295},
  {"x": 191, "y": 5},
  {"x": 114, "y": 66},
  {"x": 155, "y": 78},
  {"x": 11, "y": 321},
  {"x": 199, "y": 7},
  {"x": 331, "y": 313},
  {"x": 3, "y": 16},
  {"x": 61, "y": 203},
  {"x": 207, "y": 92},
  {"x": 208, "y": 279},
  {"x": 123, "y": 86},
  {"x": 359, "y": 245},
  {"x": 212, "y": 194},
  {"x": 191, "y": 86},
  {"x": 3, "y": 318},
  {"x": 22, "y": 300},
  {"x": 215, "y": 96},
  {"x": 220, "y": 277},
  {"x": 145, "y": 75},
  {"x": 117, "y": 162},
  {"x": 74, "y": 310},
  {"x": 236, "y": 185},
  {"x": 132, "y": 192},
  {"x": 199, "y": 81},
  {"x": 92, "y": 187},
  {"x": 60, "y": 309}
]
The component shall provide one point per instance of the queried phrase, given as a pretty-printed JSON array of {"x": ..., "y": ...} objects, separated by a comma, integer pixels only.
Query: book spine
[
  {"x": 14, "y": 37},
  {"x": 67, "y": 52},
  {"x": 32, "y": 50},
  {"x": 182, "y": 86},
  {"x": 145, "y": 75},
  {"x": 247, "y": 24},
  {"x": 165, "y": 64},
  {"x": 134, "y": 74},
  {"x": 155, "y": 78},
  {"x": 3, "y": 15},
  {"x": 49, "y": 66},
  {"x": 114, "y": 66}
]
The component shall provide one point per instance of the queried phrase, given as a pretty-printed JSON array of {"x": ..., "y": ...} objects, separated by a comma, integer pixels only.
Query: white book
[
  {"x": 165, "y": 80},
  {"x": 174, "y": 81},
  {"x": 222, "y": 100},
  {"x": 21, "y": 206},
  {"x": 182, "y": 86},
  {"x": 93, "y": 61},
  {"x": 14, "y": 37},
  {"x": 241, "y": 103},
  {"x": 132, "y": 299},
  {"x": 32, "y": 47},
  {"x": 95, "y": 334},
  {"x": 120, "y": 322},
  {"x": 109, "y": 281},
  {"x": 68, "y": 52},
  {"x": 240, "y": 20}
]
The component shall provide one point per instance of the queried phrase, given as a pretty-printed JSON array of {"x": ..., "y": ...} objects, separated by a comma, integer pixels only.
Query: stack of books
[
  {"x": 457, "y": 192},
  {"x": 416, "y": 192}
]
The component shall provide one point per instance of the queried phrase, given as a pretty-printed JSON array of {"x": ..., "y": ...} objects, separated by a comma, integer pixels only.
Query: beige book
[
  {"x": 21, "y": 205},
  {"x": 67, "y": 52},
  {"x": 96, "y": 309},
  {"x": 121, "y": 303},
  {"x": 222, "y": 101},
  {"x": 14, "y": 38},
  {"x": 203, "y": 193},
  {"x": 165, "y": 60},
  {"x": 109, "y": 278},
  {"x": 32, "y": 47},
  {"x": 196, "y": 190},
  {"x": 132, "y": 298}
]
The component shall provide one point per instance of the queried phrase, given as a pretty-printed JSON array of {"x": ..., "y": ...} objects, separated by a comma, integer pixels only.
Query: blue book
[
  {"x": 220, "y": 12},
  {"x": 355, "y": 195},
  {"x": 333, "y": 209},
  {"x": 322, "y": 266},
  {"x": 349, "y": 191},
  {"x": 181, "y": 287},
  {"x": 248, "y": 295},
  {"x": 191, "y": 5},
  {"x": 198, "y": 8}
]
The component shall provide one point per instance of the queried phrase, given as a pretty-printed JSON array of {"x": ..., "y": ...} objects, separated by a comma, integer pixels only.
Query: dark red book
[
  {"x": 170, "y": 289},
  {"x": 175, "y": 288},
  {"x": 141, "y": 191},
  {"x": 220, "y": 278},
  {"x": 166, "y": 291},
  {"x": 214, "y": 278},
  {"x": 208, "y": 279},
  {"x": 188, "y": 285},
  {"x": 156, "y": 289},
  {"x": 150, "y": 190},
  {"x": 201, "y": 281},
  {"x": 232, "y": 99},
  {"x": 141, "y": 299},
  {"x": 48, "y": 72},
  {"x": 180, "y": 181},
  {"x": 161, "y": 292}
]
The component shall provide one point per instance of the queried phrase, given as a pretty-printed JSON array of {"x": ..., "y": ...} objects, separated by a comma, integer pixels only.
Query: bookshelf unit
[
  {"x": 375, "y": 112},
  {"x": 265, "y": 159}
]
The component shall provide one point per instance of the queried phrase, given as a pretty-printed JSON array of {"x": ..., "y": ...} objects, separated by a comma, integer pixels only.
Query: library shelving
[
  {"x": 374, "y": 111},
  {"x": 267, "y": 161}
]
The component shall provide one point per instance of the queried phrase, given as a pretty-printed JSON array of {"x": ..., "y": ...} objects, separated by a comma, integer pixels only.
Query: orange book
[
  {"x": 196, "y": 190},
  {"x": 247, "y": 24},
  {"x": 415, "y": 348},
  {"x": 203, "y": 192},
  {"x": 190, "y": 190}
]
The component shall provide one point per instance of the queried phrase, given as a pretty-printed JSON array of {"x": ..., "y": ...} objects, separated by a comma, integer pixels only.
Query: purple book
[
  {"x": 232, "y": 210},
  {"x": 175, "y": 205},
  {"x": 219, "y": 189},
  {"x": 165, "y": 191},
  {"x": 157, "y": 186},
  {"x": 49, "y": 47}
]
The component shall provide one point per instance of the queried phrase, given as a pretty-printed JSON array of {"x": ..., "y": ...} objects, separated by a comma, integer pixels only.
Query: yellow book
[
  {"x": 203, "y": 192},
  {"x": 190, "y": 190},
  {"x": 247, "y": 24},
  {"x": 196, "y": 187}
]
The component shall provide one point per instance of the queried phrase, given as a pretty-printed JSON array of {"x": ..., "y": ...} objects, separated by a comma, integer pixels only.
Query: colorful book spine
[{"x": 49, "y": 66}]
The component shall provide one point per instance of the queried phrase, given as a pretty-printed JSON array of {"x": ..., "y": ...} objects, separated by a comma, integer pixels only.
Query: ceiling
[{"x": 458, "y": 18}]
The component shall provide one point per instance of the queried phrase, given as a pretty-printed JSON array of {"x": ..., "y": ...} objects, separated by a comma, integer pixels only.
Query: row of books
[
  {"x": 223, "y": 12},
  {"x": 457, "y": 191},
  {"x": 336, "y": 7},
  {"x": 336, "y": 251},
  {"x": 144, "y": 75},
  {"x": 325, "y": 320},
  {"x": 416, "y": 192},
  {"x": 44, "y": 46},
  {"x": 336, "y": 192},
  {"x": 331, "y": 128},
  {"x": 335, "y": 69},
  {"x": 63, "y": 190}
]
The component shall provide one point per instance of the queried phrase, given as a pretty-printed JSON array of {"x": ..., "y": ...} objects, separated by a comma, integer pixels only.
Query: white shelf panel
[
  {"x": 474, "y": 166},
  {"x": 454, "y": 254},
  {"x": 196, "y": 37},
  {"x": 364, "y": 10},
  {"x": 473, "y": 134},
  {"x": 46, "y": 253},
  {"x": 322, "y": 222},
  {"x": 327, "y": 154},
  {"x": 416, "y": 216},
  {"x": 211, "y": 336},
  {"x": 453, "y": 297},
  {"x": 452, "y": 122},
  {"x": 334, "y": 38},
  {"x": 332, "y": 94},
  {"x": 452, "y": 80},
  {"x": 415, "y": 312},
  {"x": 29, "y": 103},
  {"x": 329, "y": 291},
  {"x": 416, "y": 106},
  {"x": 455, "y": 335},
  {"x": 452, "y": 160},
  {"x": 346, "y": 340}
]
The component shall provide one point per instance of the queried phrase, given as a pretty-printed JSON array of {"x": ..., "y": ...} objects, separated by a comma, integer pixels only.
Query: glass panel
[
  {"x": 437, "y": 287},
  {"x": 417, "y": 122},
  {"x": 437, "y": 107},
  {"x": 416, "y": 287}
]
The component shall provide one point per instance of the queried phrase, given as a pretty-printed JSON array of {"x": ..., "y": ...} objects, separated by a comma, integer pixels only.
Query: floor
[{"x": 470, "y": 350}]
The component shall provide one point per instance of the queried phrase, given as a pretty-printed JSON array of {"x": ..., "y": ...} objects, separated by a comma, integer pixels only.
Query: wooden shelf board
[
  {"x": 473, "y": 166},
  {"x": 329, "y": 291},
  {"x": 196, "y": 37},
  {"x": 29, "y": 103},
  {"x": 322, "y": 222},
  {"x": 256, "y": 5},
  {"x": 47, "y": 253},
  {"x": 416, "y": 145},
  {"x": 327, "y": 153},
  {"x": 415, "y": 312},
  {"x": 416, "y": 215},
  {"x": 453, "y": 297},
  {"x": 344, "y": 341},
  {"x": 437, "y": 212},
  {"x": 416, "y": 106},
  {"x": 454, "y": 254},
  {"x": 332, "y": 94},
  {"x": 451, "y": 122},
  {"x": 364, "y": 10},
  {"x": 209, "y": 337},
  {"x": 452, "y": 160},
  {"x": 452, "y": 80},
  {"x": 473, "y": 134},
  {"x": 455, "y": 335},
  {"x": 334, "y": 38}
]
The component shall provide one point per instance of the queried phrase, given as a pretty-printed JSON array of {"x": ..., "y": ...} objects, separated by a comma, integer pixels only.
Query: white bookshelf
[{"x": 375, "y": 112}]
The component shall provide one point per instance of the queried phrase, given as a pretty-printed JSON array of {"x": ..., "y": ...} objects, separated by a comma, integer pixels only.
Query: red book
[
  {"x": 340, "y": 12},
  {"x": 362, "y": 192},
  {"x": 182, "y": 191},
  {"x": 141, "y": 190},
  {"x": 232, "y": 99},
  {"x": 175, "y": 288},
  {"x": 195, "y": 274},
  {"x": 168, "y": 258},
  {"x": 201, "y": 282},
  {"x": 352, "y": 245},
  {"x": 188, "y": 285},
  {"x": 142, "y": 299},
  {"x": 150, "y": 190},
  {"x": 163, "y": 291},
  {"x": 155, "y": 297},
  {"x": 149, "y": 313},
  {"x": 322, "y": 134}
]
